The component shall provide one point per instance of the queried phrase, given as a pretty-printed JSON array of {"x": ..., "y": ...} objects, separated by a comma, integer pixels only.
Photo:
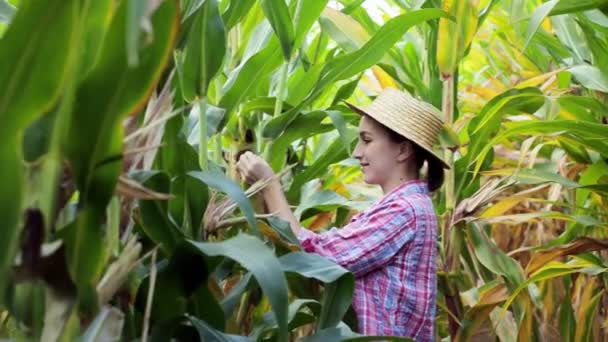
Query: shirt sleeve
[{"x": 367, "y": 243}]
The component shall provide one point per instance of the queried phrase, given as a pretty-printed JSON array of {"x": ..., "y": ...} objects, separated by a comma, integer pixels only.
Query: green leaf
[
  {"x": 258, "y": 67},
  {"x": 571, "y": 6},
  {"x": 33, "y": 66},
  {"x": 156, "y": 221},
  {"x": 350, "y": 64},
  {"x": 219, "y": 182},
  {"x": 236, "y": 11},
  {"x": 567, "y": 322},
  {"x": 189, "y": 204},
  {"x": 346, "y": 91},
  {"x": 277, "y": 13},
  {"x": 303, "y": 127},
  {"x": 552, "y": 270},
  {"x": 535, "y": 176},
  {"x": 537, "y": 18},
  {"x": 590, "y": 177},
  {"x": 334, "y": 153},
  {"x": 324, "y": 200},
  {"x": 597, "y": 44},
  {"x": 340, "y": 284},
  {"x": 180, "y": 282},
  {"x": 135, "y": 16},
  {"x": 583, "y": 107},
  {"x": 589, "y": 134},
  {"x": 348, "y": 33},
  {"x": 208, "y": 333},
  {"x": 253, "y": 255},
  {"x": 346, "y": 134},
  {"x": 295, "y": 316},
  {"x": 309, "y": 11},
  {"x": 37, "y": 137},
  {"x": 590, "y": 77},
  {"x": 99, "y": 15},
  {"x": 358, "y": 61},
  {"x": 33, "y": 62},
  {"x": 283, "y": 228},
  {"x": 204, "y": 52},
  {"x": 493, "y": 258},
  {"x": 340, "y": 334},
  {"x": 110, "y": 91},
  {"x": 488, "y": 121}
]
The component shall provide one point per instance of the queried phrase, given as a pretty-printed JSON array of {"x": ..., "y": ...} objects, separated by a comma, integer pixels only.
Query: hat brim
[{"x": 432, "y": 153}]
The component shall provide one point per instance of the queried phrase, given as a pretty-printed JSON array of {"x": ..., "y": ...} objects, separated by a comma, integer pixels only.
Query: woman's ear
[{"x": 406, "y": 151}]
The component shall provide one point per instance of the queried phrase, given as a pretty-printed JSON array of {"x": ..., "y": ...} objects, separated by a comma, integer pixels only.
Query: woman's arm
[
  {"x": 277, "y": 203},
  {"x": 253, "y": 168}
]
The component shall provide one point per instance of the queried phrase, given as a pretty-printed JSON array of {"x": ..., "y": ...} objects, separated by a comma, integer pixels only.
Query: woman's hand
[{"x": 253, "y": 168}]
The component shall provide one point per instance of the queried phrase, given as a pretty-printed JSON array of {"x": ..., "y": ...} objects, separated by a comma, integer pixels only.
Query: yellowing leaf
[
  {"x": 502, "y": 206},
  {"x": 386, "y": 81},
  {"x": 536, "y": 79}
]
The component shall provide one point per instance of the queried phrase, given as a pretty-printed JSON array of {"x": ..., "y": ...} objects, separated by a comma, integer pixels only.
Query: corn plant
[{"x": 122, "y": 121}]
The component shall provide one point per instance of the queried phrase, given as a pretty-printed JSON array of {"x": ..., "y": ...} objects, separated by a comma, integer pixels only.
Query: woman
[{"x": 391, "y": 247}]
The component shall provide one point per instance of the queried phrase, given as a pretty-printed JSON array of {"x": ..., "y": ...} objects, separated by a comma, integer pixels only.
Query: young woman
[{"x": 390, "y": 247}]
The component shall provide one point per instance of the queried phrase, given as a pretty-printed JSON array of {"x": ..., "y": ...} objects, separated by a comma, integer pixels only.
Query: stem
[
  {"x": 448, "y": 110},
  {"x": 148, "y": 310},
  {"x": 280, "y": 91},
  {"x": 318, "y": 47},
  {"x": 202, "y": 145},
  {"x": 240, "y": 316},
  {"x": 259, "y": 136},
  {"x": 218, "y": 149},
  {"x": 449, "y": 233},
  {"x": 218, "y": 135}
]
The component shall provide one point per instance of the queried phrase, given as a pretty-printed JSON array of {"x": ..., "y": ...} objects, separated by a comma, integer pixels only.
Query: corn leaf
[
  {"x": 350, "y": 64},
  {"x": 537, "y": 18},
  {"x": 220, "y": 182},
  {"x": 208, "y": 333},
  {"x": 571, "y": 6},
  {"x": 339, "y": 288},
  {"x": 110, "y": 91},
  {"x": 252, "y": 254},
  {"x": 33, "y": 65},
  {"x": 204, "y": 51},
  {"x": 277, "y": 13},
  {"x": 590, "y": 77}
]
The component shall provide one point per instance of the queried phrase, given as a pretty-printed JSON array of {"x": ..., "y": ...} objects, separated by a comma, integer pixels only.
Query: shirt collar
[{"x": 414, "y": 186}]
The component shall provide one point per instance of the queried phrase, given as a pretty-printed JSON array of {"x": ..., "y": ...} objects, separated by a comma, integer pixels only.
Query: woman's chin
[{"x": 369, "y": 180}]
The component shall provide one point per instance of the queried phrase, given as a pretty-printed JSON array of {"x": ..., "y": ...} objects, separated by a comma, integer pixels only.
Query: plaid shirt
[{"x": 390, "y": 248}]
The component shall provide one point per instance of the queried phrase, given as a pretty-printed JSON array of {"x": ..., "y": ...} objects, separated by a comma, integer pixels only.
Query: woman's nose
[{"x": 357, "y": 153}]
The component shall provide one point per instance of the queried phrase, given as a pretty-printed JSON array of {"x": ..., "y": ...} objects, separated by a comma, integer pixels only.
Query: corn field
[{"x": 121, "y": 121}]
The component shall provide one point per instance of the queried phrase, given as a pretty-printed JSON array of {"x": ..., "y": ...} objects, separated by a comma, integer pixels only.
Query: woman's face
[{"x": 379, "y": 156}]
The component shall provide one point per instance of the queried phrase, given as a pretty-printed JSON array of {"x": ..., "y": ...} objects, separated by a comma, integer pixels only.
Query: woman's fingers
[
  {"x": 253, "y": 168},
  {"x": 244, "y": 168}
]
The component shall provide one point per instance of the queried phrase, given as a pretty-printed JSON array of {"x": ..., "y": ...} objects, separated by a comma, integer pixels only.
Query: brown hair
[{"x": 435, "y": 176}]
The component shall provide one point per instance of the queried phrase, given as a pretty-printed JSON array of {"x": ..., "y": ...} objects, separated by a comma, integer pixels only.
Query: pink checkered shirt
[{"x": 390, "y": 248}]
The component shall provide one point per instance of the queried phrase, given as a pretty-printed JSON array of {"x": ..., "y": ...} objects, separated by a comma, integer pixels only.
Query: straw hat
[{"x": 416, "y": 120}]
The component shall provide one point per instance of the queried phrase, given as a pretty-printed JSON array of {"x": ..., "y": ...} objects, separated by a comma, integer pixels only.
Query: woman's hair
[{"x": 434, "y": 177}]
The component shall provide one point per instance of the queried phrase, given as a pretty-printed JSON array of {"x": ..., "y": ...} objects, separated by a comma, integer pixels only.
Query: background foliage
[{"x": 121, "y": 121}]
